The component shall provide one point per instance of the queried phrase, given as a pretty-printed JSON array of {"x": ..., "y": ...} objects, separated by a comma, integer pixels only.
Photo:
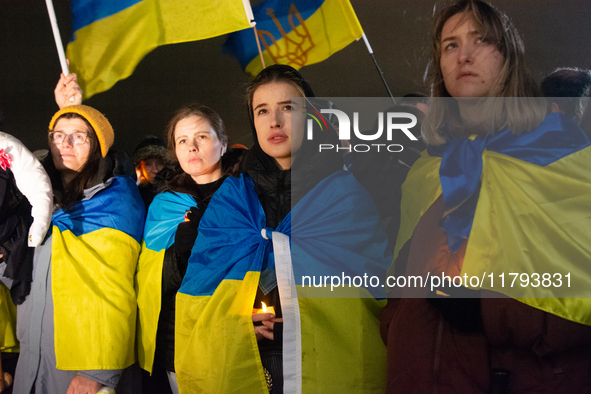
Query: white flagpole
[
  {"x": 57, "y": 37},
  {"x": 250, "y": 16},
  {"x": 378, "y": 67}
]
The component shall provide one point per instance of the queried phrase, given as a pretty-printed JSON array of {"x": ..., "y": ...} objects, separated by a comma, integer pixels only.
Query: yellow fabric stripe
[
  {"x": 542, "y": 229},
  {"x": 8, "y": 341},
  {"x": 419, "y": 192},
  {"x": 331, "y": 28},
  {"x": 342, "y": 350},
  {"x": 149, "y": 297},
  {"x": 109, "y": 49},
  {"x": 216, "y": 349},
  {"x": 94, "y": 299},
  {"x": 517, "y": 227}
]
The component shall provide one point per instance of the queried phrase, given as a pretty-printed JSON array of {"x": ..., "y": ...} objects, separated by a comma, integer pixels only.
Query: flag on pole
[
  {"x": 295, "y": 32},
  {"x": 111, "y": 37}
]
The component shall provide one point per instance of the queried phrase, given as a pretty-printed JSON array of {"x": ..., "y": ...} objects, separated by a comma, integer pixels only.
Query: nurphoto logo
[{"x": 388, "y": 122}]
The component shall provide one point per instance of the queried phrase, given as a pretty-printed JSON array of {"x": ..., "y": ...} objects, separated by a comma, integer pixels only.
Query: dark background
[{"x": 556, "y": 33}]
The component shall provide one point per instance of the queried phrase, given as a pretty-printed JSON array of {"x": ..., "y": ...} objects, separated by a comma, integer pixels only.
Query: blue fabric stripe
[
  {"x": 461, "y": 165},
  {"x": 85, "y": 12},
  {"x": 119, "y": 206},
  {"x": 229, "y": 237},
  {"x": 166, "y": 212},
  {"x": 337, "y": 231},
  {"x": 242, "y": 44}
]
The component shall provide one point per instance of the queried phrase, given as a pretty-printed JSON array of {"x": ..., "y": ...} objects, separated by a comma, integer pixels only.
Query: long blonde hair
[{"x": 515, "y": 80}]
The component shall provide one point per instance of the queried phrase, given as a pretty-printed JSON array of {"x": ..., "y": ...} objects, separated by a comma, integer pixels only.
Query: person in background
[
  {"x": 417, "y": 100},
  {"x": 502, "y": 188},
  {"x": 198, "y": 141},
  {"x": 150, "y": 157},
  {"x": 76, "y": 328},
  {"x": 26, "y": 204},
  {"x": 567, "y": 86},
  {"x": 22, "y": 227}
]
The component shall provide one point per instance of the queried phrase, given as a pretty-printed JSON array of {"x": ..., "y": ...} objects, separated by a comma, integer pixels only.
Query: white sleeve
[{"x": 33, "y": 182}]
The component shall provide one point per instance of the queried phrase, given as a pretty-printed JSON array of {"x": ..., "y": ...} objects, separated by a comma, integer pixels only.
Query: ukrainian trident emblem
[{"x": 291, "y": 50}]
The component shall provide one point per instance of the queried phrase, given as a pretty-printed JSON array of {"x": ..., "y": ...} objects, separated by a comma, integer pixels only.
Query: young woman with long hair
[
  {"x": 292, "y": 211},
  {"x": 499, "y": 190}
]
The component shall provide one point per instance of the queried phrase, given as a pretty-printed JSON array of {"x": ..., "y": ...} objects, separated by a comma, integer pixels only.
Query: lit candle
[{"x": 264, "y": 309}]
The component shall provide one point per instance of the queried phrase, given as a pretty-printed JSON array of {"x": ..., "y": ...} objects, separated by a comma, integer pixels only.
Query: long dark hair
[
  {"x": 65, "y": 196},
  {"x": 309, "y": 167}
]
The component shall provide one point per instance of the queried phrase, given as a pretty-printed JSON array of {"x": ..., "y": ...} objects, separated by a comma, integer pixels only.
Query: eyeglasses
[{"x": 57, "y": 137}]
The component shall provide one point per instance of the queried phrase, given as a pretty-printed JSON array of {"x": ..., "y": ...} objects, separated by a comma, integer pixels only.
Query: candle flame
[{"x": 264, "y": 307}]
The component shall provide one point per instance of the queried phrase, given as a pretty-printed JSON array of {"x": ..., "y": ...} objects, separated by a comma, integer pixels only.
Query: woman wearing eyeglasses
[{"x": 77, "y": 326}]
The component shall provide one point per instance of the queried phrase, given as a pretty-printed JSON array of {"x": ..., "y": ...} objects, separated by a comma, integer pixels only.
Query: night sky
[{"x": 556, "y": 33}]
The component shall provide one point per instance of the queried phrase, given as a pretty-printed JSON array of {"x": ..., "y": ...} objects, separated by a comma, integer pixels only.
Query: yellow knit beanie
[{"x": 100, "y": 124}]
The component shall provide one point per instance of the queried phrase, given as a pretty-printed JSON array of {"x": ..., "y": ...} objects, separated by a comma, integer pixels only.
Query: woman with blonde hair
[{"x": 500, "y": 190}]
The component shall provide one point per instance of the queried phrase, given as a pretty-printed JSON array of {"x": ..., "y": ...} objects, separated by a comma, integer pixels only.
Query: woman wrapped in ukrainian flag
[
  {"x": 198, "y": 140},
  {"x": 77, "y": 326},
  {"x": 496, "y": 213},
  {"x": 259, "y": 233}
]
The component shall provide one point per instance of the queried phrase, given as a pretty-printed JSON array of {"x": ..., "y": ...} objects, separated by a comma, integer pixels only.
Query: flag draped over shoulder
[
  {"x": 531, "y": 214},
  {"x": 329, "y": 344},
  {"x": 95, "y": 247},
  {"x": 166, "y": 212},
  {"x": 296, "y": 33},
  {"x": 111, "y": 37}
]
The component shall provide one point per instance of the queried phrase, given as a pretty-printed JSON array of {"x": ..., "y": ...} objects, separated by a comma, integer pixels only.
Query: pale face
[
  {"x": 470, "y": 65},
  {"x": 67, "y": 157},
  {"x": 198, "y": 149},
  {"x": 274, "y": 113}
]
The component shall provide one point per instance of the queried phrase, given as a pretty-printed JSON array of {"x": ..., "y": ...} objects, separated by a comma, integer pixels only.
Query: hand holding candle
[
  {"x": 264, "y": 309},
  {"x": 264, "y": 321}
]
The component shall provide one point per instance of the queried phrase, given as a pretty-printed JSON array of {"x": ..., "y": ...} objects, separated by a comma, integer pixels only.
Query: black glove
[{"x": 186, "y": 234}]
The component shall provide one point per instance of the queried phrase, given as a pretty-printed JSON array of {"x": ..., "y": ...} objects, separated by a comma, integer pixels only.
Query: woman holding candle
[
  {"x": 500, "y": 189},
  {"x": 198, "y": 140},
  {"x": 242, "y": 258}
]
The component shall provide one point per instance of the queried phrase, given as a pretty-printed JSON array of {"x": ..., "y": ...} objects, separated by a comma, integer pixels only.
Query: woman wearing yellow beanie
[{"x": 77, "y": 326}]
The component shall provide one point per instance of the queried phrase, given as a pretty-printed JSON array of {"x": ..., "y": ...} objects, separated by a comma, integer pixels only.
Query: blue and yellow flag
[
  {"x": 111, "y": 37},
  {"x": 166, "y": 212},
  {"x": 522, "y": 201},
  {"x": 94, "y": 252},
  {"x": 329, "y": 344},
  {"x": 296, "y": 33}
]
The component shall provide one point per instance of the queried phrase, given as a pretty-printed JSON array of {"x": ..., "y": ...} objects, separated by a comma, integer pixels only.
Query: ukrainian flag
[
  {"x": 111, "y": 37},
  {"x": 95, "y": 247},
  {"x": 166, "y": 212},
  {"x": 522, "y": 201},
  {"x": 329, "y": 344},
  {"x": 296, "y": 33}
]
